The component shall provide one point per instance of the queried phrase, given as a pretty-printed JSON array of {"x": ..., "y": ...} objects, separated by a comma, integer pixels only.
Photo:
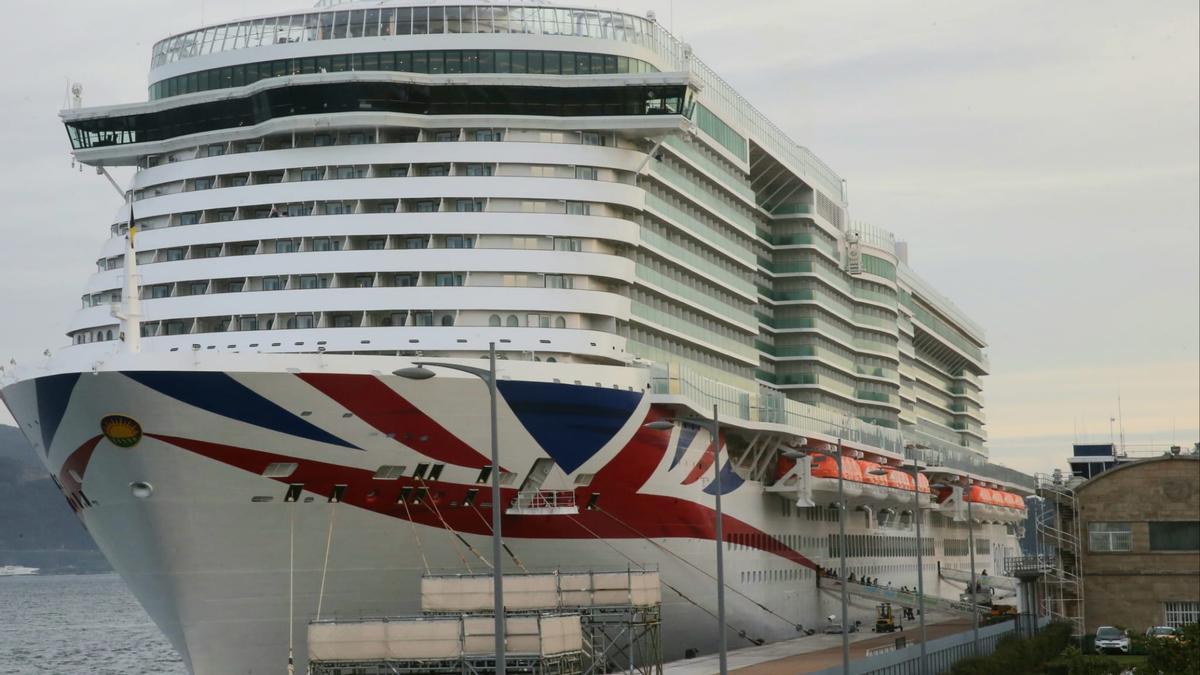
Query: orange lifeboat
[
  {"x": 824, "y": 473},
  {"x": 922, "y": 484},
  {"x": 875, "y": 487}
]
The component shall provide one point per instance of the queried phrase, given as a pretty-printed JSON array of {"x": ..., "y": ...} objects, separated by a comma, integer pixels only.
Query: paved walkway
[{"x": 815, "y": 652}]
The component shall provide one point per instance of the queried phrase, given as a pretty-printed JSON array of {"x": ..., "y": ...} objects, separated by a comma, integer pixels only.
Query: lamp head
[{"x": 414, "y": 373}]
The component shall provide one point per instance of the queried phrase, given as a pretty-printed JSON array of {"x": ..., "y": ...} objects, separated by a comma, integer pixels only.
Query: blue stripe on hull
[
  {"x": 570, "y": 422},
  {"x": 53, "y": 394},
  {"x": 221, "y": 394}
]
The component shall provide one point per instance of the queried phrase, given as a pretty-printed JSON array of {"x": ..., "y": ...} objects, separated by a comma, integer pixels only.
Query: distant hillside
[{"x": 37, "y": 527}]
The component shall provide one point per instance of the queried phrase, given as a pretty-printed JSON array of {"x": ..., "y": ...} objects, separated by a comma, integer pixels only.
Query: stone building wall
[{"x": 1129, "y": 589}]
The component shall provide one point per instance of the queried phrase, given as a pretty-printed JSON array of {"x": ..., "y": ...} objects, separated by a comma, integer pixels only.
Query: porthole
[{"x": 141, "y": 489}]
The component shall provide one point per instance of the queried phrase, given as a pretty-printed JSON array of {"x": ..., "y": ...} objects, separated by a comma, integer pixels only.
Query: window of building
[
  {"x": 326, "y": 244},
  {"x": 537, "y": 320},
  {"x": 343, "y": 321},
  {"x": 305, "y": 321},
  {"x": 237, "y": 181},
  {"x": 338, "y": 208},
  {"x": 422, "y": 318},
  {"x": 358, "y": 138},
  {"x": 212, "y": 251},
  {"x": 309, "y": 281},
  {"x": 198, "y": 288},
  {"x": 591, "y": 138},
  {"x": 448, "y": 279},
  {"x": 1182, "y": 535},
  {"x": 494, "y": 320},
  {"x": 249, "y": 249},
  {"x": 189, "y": 218},
  {"x": 176, "y": 328},
  {"x": 479, "y": 169},
  {"x": 224, "y": 216},
  {"x": 558, "y": 281},
  {"x": 568, "y": 244},
  {"x": 236, "y": 286},
  {"x": 376, "y": 244},
  {"x": 468, "y": 205},
  {"x": 386, "y": 207},
  {"x": 415, "y": 242},
  {"x": 586, "y": 173},
  {"x": 364, "y": 281},
  {"x": 1181, "y": 613},
  {"x": 248, "y": 323},
  {"x": 405, "y": 280},
  {"x": 1109, "y": 537},
  {"x": 447, "y": 319},
  {"x": 560, "y": 322},
  {"x": 173, "y": 254},
  {"x": 426, "y": 206},
  {"x": 216, "y": 150},
  {"x": 203, "y": 184},
  {"x": 579, "y": 208},
  {"x": 486, "y": 135},
  {"x": 445, "y": 136},
  {"x": 272, "y": 284},
  {"x": 321, "y": 140},
  {"x": 436, "y": 170},
  {"x": 398, "y": 172},
  {"x": 459, "y": 241},
  {"x": 310, "y": 174},
  {"x": 344, "y": 172},
  {"x": 285, "y": 246}
]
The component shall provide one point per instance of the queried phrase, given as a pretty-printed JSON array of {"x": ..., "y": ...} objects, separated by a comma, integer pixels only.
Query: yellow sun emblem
[{"x": 121, "y": 431}]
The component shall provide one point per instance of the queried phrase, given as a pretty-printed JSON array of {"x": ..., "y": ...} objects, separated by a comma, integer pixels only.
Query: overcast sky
[{"x": 1040, "y": 157}]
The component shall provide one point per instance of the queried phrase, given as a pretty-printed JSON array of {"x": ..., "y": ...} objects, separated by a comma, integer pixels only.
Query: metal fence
[{"x": 943, "y": 653}]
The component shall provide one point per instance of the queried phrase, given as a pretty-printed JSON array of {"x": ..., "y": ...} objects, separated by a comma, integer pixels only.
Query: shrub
[
  {"x": 1176, "y": 657},
  {"x": 1015, "y": 655}
]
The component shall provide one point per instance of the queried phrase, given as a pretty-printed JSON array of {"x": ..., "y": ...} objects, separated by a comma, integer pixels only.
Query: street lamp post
[
  {"x": 841, "y": 505},
  {"x": 916, "y": 471},
  {"x": 419, "y": 372},
  {"x": 718, "y": 534},
  {"x": 918, "y": 516},
  {"x": 842, "y": 555},
  {"x": 971, "y": 546}
]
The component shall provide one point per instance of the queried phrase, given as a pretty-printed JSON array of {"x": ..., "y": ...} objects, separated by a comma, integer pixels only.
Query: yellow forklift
[{"x": 885, "y": 620}]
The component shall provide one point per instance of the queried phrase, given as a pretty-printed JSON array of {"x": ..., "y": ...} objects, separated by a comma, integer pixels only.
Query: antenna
[
  {"x": 1120, "y": 421},
  {"x": 76, "y": 96}
]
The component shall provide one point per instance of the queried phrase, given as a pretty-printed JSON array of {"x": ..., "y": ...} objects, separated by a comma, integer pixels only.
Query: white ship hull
[{"x": 210, "y": 551}]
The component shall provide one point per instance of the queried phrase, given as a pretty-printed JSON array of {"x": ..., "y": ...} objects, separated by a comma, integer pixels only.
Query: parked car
[
  {"x": 1162, "y": 633},
  {"x": 1110, "y": 640}
]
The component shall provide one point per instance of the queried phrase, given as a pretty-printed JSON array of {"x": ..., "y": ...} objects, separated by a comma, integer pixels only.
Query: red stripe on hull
[
  {"x": 390, "y": 413},
  {"x": 623, "y": 512}
]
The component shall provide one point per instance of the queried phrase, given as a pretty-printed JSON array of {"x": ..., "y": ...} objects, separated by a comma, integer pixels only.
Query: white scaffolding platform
[{"x": 556, "y": 623}]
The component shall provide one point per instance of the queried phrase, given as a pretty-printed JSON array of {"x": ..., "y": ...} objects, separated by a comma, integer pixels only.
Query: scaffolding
[
  {"x": 1059, "y": 535},
  {"x": 620, "y": 612},
  {"x": 556, "y": 623}
]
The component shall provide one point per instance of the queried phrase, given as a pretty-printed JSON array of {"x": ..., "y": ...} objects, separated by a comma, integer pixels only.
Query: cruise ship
[{"x": 324, "y": 197}]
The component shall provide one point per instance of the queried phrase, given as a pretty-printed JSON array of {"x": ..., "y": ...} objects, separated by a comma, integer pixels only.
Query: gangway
[
  {"x": 896, "y": 597},
  {"x": 988, "y": 582}
]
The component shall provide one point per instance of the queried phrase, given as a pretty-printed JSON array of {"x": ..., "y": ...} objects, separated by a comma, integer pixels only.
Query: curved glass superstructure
[{"x": 570, "y": 182}]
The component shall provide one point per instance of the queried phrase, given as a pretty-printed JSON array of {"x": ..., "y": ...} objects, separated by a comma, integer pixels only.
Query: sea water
[{"x": 79, "y": 625}]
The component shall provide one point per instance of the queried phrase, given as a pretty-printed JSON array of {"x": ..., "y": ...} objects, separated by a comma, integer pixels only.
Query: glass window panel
[
  {"x": 499, "y": 20},
  {"x": 239, "y": 75},
  {"x": 356, "y": 23},
  {"x": 568, "y": 63},
  {"x": 312, "y": 29},
  {"x": 453, "y": 20},
  {"x": 503, "y": 61},
  {"x": 404, "y": 21},
  {"x": 454, "y": 62},
  {"x": 404, "y": 62},
  {"x": 551, "y": 64},
  {"x": 420, "y": 62},
  {"x": 610, "y": 64},
  {"x": 340, "y": 22},
  {"x": 487, "y": 61},
  {"x": 371, "y": 27},
  {"x": 519, "y": 62},
  {"x": 356, "y": 62},
  {"x": 597, "y": 64},
  {"x": 370, "y": 62},
  {"x": 549, "y": 21},
  {"x": 325, "y": 30},
  {"x": 437, "y": 24},
  {"x": 387, "y": 21},
  {"x": 468, "y": 19},
  {"x": 387, "y": 61},
  {"x": 338, "y": 63},
  {"x": 535, "y": 62},
  {"x": 470, "y": 61},
  {"x": 420, "y": 20},
  {"x": 583, "y": 64},
  {"x": 437, "y": 63},
  {"x": 483, "y": 20},
  {"x": 622, "y": 64}
]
